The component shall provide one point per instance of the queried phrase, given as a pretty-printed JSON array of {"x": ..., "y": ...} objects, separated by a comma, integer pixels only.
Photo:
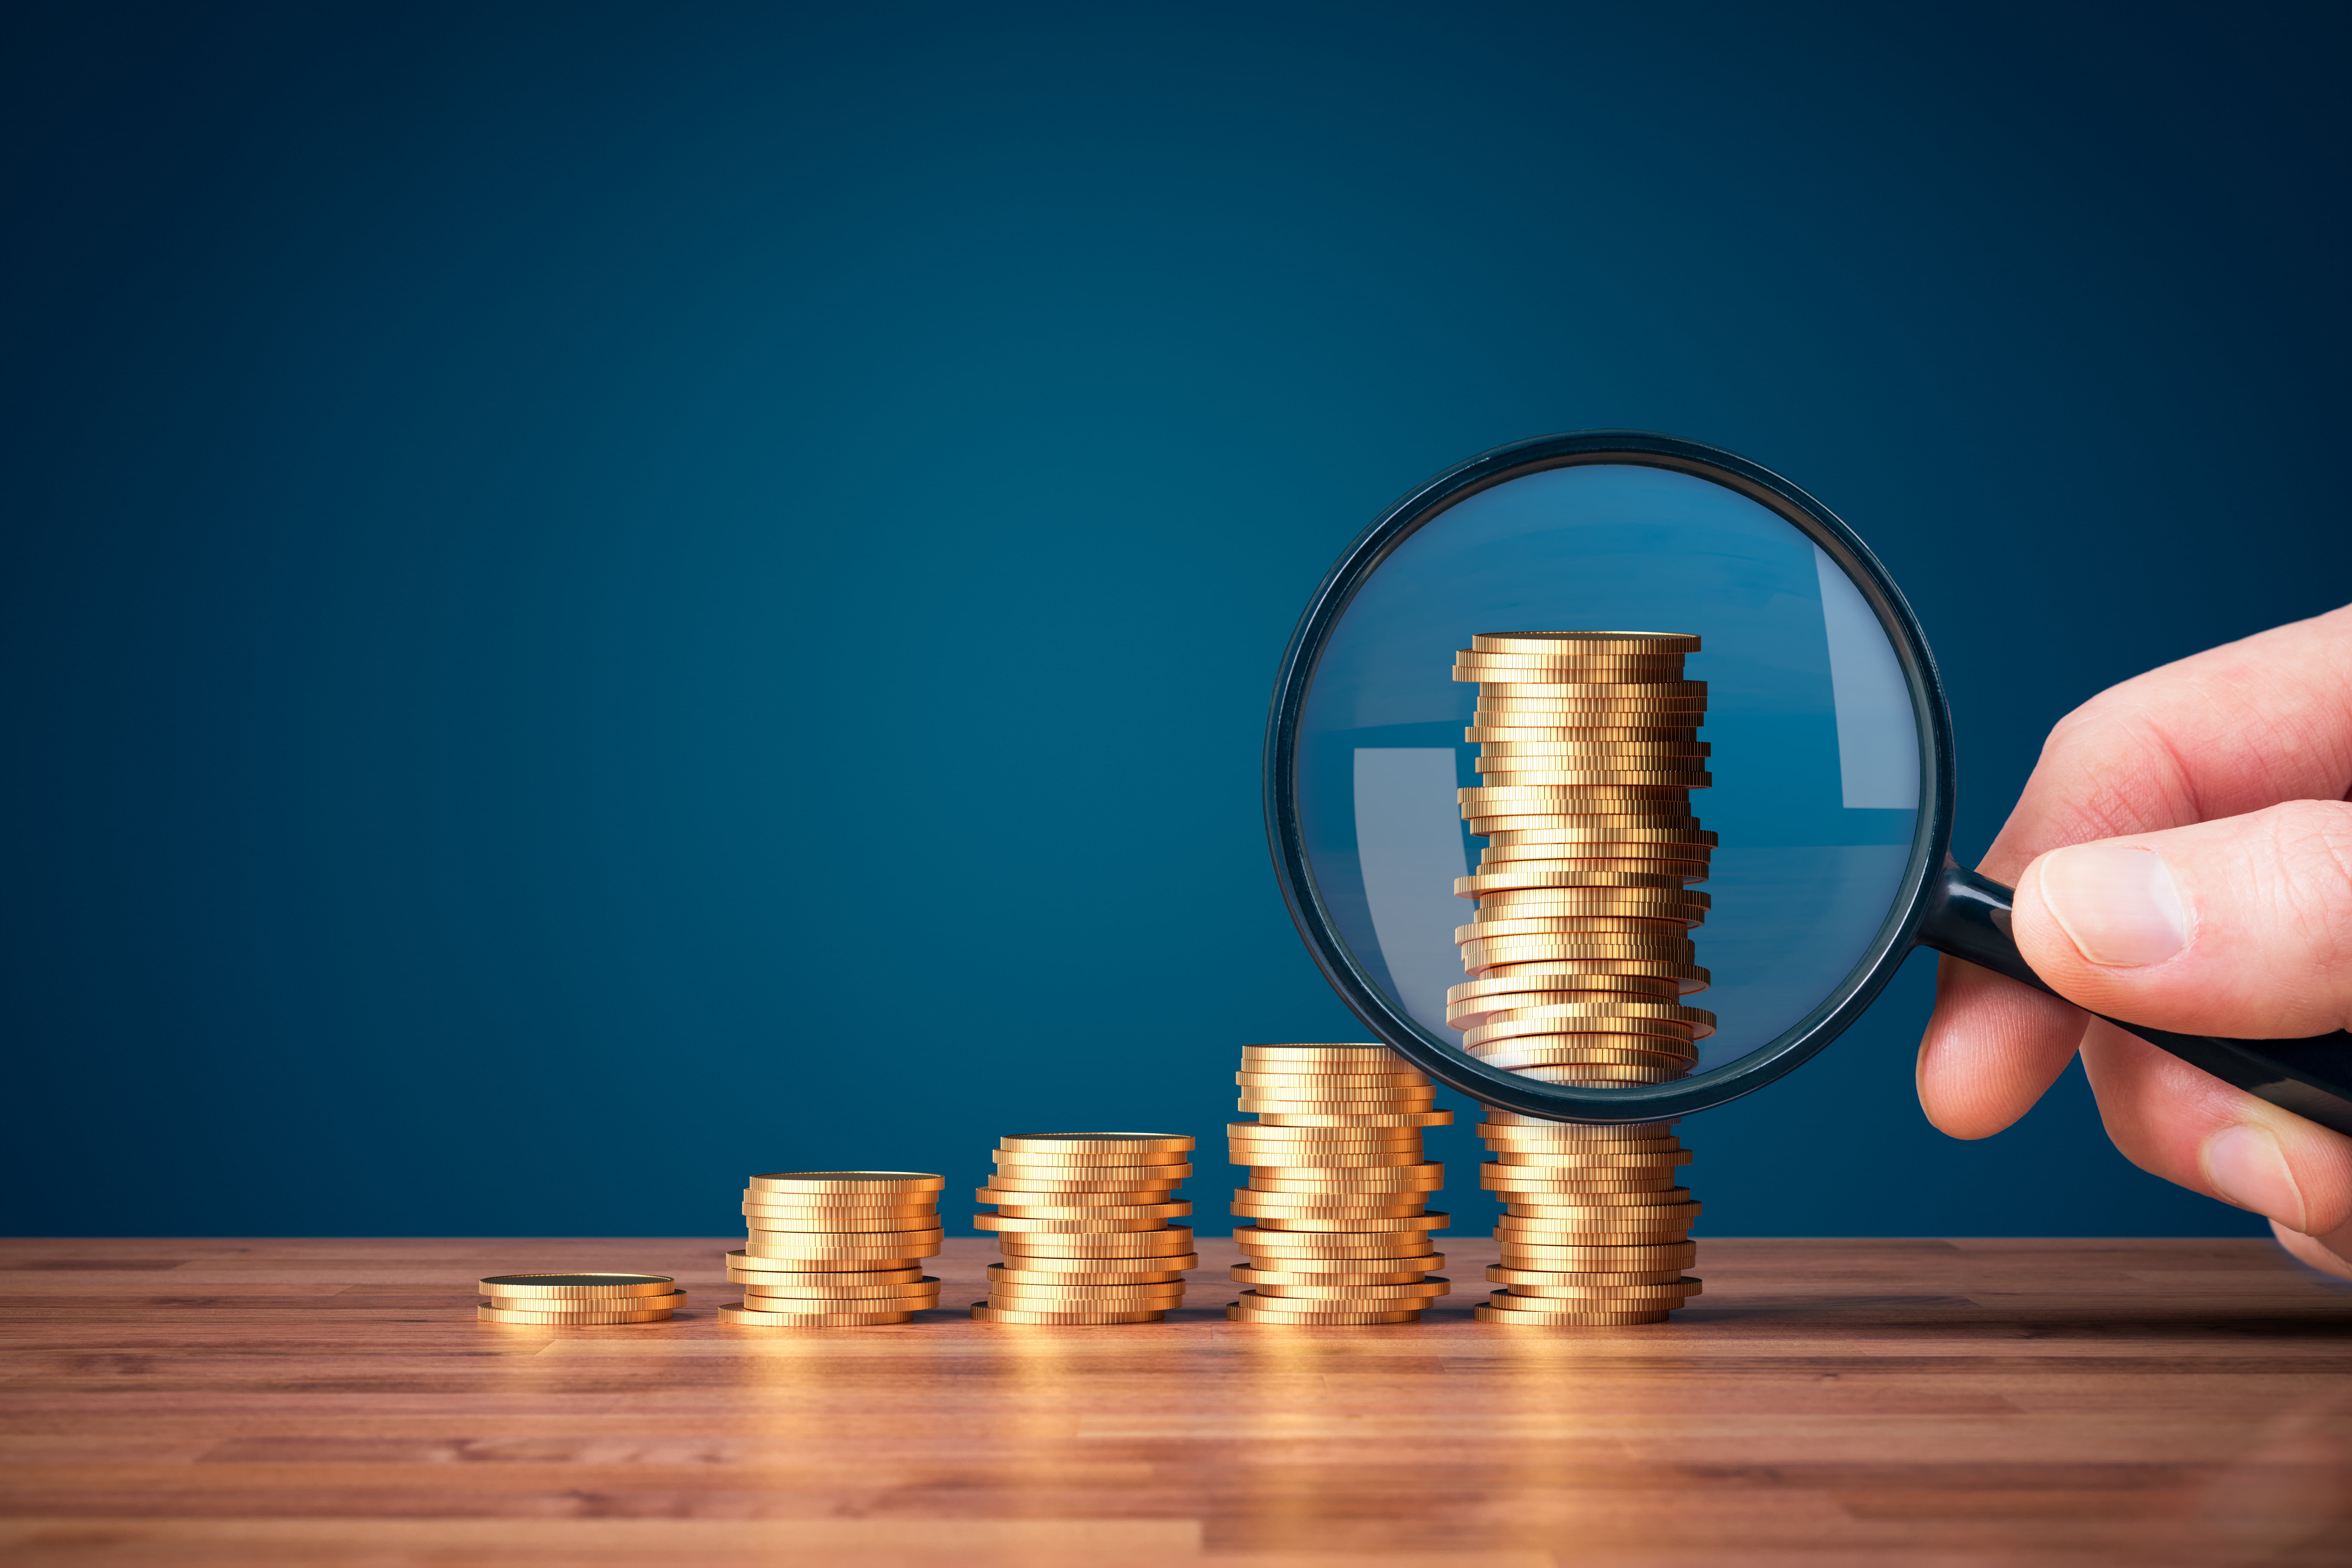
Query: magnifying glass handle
[{"x": 1967, "y": 917}]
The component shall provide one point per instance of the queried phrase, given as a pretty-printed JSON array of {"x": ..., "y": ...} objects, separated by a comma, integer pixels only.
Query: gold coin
[
  {"x": 1603, "y": 1075},
  {"x": 1363, "y": 1119},
  {"x": 1279, "y": 1133},
  {"x": 1035, "y": 1297},
  {"x": 1517, "y": 1121},
  {"x": 1679, "y": 873},
  {"x": 1590, "y": 1050},
  {"x": 1097, "y": 1249},
  {"x": 1511, "y": 1233},
  {"x": 1536, "y": 730},
  {"x": 845, "y": 1219},
  {"x": 1673, "y": 836},
  {"x": 1551, "y": 874},
  {"x": 981, "y": 1312},
  {"x": 1668, "y": 903},
  {"x": 1029, "y": 1179},
  {"x": 1082, "y": 1205},
  {"x": 1544, "y": 1167},
  {"x": 1334, "y": 1244},
  {"x": 753, "y": 1317},
  {"x": 1606, "y": 1294},
  {"x": 1488, "y": 671},
  {"x": 1572, "y": 970},
  {"x": 1160, "y": 1241},
  {"x": 1667, "y": 1036},
  {"x": 1325, "y": 1091},
  {"x": 1089, "y": 1215},
  {"x": 1390, "y": 1080},
  {"x": 1024, "y": 1193},
  {"x": 1256, "y": 1309},
  {"x": 1608, "y": 1259},
  {"x": 1611, "y": 642},
  {"x": 1502, "y": 1276},
  {"x": 849, "y": 1182},
  {"x": 1604, "y": 754},
  {"x": 1242, "y": 1273},
  {"x": 1594, "y": 1181},
  {"x": 1476, "y": 1010},
  {"x": 1027, "y": 1224},
  {"x": 1663, "y": 942},
  {"x": 1571, "y": 653},
  {"x": 1570, "y": 1159},
  {"x": 1005, "y": 1273},
  {"x": 782, "y": 1245},
  {"x": 1272, "y": 1204},
  {"x": 649, "y": 1314},
  {"x": 577, "y": 1287},
  {"x": 1488, "y": 1313},
  {"x": 1315, "y": 1056},
  {"x": 1583, "y": 779},
  {"x": 860, "y": 1225},
  {"x": 1490, "y": 692},
  {"x": 1268, "y": 1102},
  {"x": 1552, "y": 1017},
  {"x": 741, "y": 1262},
  {"x": 1096, "y": 1143},
  {"x": 1528, "y": 1203},
  {"x": 1358, "y": 1225},
  {"x": 1493, "y": 824},
  {"x": 1096, "y": 1271},
  {"x": 1379, "y": 1297},
  {"x": 828, "y": 1280},
  {"x": 1284, "y": 1178},
  {"x": 927, "y": 1285},
  {"x": 1077, "y": 1165}
]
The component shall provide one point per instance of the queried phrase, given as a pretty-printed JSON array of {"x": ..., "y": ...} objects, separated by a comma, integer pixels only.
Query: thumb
[{"x": 2241, "y": 926}]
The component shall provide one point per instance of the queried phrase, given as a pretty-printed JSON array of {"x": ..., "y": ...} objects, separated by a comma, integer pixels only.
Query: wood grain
[{"x": 1932, "y": 1402}]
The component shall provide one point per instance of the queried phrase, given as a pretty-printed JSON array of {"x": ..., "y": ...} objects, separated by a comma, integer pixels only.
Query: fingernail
[
  {"x": 2246, "y": 1166},
  {"x": 2121, "y": 906}
]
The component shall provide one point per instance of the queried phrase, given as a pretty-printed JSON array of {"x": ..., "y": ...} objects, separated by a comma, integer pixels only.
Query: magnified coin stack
[
  {"x": 1338, "y": 1200},
  {"x": 836, "y": 1249},
  {"x": 579, "y": 1300},
  {"x": 1082, "y": 1227},
  {"x": 1580, "y": 955}
]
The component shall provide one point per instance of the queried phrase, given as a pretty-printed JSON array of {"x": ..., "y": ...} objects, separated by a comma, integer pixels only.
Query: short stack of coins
[
  {"x": 1580, "y": 955},
  {"x": 836, "y": 1249},
  {"x": 1339, "y": 1228},
  {"x": 1083, "y": 1228},
  {"x": 585, "y": 1300}
]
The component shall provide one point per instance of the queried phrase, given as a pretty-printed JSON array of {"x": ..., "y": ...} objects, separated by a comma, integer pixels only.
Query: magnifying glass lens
[{"x": 1785, "y": 789}]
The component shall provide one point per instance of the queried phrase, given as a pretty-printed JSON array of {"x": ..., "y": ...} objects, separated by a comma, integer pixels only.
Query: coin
[
  {"x": 1090, "y": 1214},
  {"x": 1307, "y": 1179},
  {"x": 1261, "y": 1079},
  {"x": 1612, "y": 642},
  {"x": 887, "y": 1244},
  {"x": 1096, "y": 1142},
  {"x": 753, "y": 1317},
  {"x": 762, "y": 1219},
  {"x": 1385, "y": 1059},
  {"x": 1273, "y": 1204},
  {"x": 740, "y": 1261},
  {"x": 831, "y": 1278},
  {"x": 1006, "y": 1273},
  {"x": 1166, "y": 1240},
  {"x": 1257, "y": 1309},
  {"x": 1037, "y": 1298},
  {"x": 981, "y": 1312},
  {"x": 1528, "y": 1203},
  {"x": 927, "y": 1285},
  {"x": 1030, "y": 1179},
  {"x": 1431, "y": 1220},
  {"x": 849, "y": 1182},
  {"x": 1502, "y": 1276},
  {"x": 1330, "y": 1089},
  {"x": 1579, "y": 1291},
  {"x": 648, "y": 1314},
  {"x": 576, "y": 1287},
  {"x": 1493, "y": 1312},
  {"x": 1075, "y": 1161},
  {"x": 1333, "y": 1244}
]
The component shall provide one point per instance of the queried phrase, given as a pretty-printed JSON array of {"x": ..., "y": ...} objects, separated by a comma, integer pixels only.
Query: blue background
[{"x": 599, "y": 599}]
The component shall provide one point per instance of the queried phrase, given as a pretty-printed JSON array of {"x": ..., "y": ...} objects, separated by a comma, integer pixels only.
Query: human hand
[{"x": 2182, "y": 857}]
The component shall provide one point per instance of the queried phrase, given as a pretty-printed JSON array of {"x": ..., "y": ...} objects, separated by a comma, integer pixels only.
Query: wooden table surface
[{"x": 1936, "y": 1402}]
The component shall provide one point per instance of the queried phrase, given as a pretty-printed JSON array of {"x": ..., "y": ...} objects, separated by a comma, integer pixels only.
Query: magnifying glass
[{"x": 1828, "y": 753}]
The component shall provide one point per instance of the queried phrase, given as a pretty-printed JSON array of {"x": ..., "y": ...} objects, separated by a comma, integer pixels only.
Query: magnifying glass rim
[{"x": 1445, "y": 1060}]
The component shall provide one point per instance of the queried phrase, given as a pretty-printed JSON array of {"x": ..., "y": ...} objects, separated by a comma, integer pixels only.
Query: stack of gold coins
[
  {"x": 1580, "y": 948},
  {"x": 836, "y": 1249},
  {"x": 1596, "y": 1232},
  {"x": 581, "y": 1299},
  {"x": 1340, "y": 1227},
  {"x": 1082, "y": 1225}
]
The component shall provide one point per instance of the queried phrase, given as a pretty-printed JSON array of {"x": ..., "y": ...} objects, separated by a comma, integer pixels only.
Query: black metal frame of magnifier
[{"x": 1939, "y": 905}]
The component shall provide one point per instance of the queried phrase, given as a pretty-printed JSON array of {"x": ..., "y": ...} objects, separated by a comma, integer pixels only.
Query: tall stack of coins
[
  {"x": 1338, "y": 1200},
  {"x": 1082, "y": 1225},
  {"x": 579, "y": 1300},
  {"x": 836, "y": 1249},
  {"x": 1579, "y": 951}
]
